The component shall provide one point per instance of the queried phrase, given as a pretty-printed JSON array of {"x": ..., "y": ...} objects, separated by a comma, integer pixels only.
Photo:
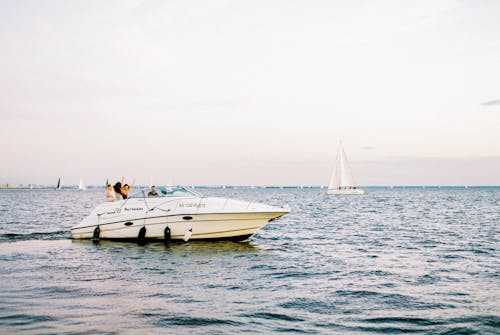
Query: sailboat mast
[{"x": 342, "y": 181}]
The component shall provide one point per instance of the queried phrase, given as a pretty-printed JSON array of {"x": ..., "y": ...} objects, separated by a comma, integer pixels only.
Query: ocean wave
[
  {"x": 188, "y": 321},
  {"x": 54, "y": 235}
]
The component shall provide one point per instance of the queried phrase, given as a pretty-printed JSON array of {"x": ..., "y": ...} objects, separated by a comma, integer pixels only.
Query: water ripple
[{"x": 187, "y": 321}]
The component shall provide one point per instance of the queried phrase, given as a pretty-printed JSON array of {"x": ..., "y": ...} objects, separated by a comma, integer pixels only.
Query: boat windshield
[{"x": 165, "y": 191}]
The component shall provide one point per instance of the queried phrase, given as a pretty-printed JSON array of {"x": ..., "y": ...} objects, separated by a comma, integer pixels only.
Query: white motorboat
[
  {"x": 342, "y": 181},
  {"x": 175, "y": 213}
]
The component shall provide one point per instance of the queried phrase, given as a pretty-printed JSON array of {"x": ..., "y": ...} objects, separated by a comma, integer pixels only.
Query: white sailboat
[
  {"x": 342, "y": 181},
  {"x": 81, "y": 186}
]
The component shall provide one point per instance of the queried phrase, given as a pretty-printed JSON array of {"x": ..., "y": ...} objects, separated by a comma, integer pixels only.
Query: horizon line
[{"x": 228, "y": 186}]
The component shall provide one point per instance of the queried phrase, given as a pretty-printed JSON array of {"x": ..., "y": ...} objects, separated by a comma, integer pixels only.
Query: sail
[
  {"x": 335, "y": 179},
  {"x": 346, "y": 179},
  {"x": 58, "y": 187}
]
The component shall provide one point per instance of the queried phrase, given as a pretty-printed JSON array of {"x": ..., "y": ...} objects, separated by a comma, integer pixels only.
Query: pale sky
[{"x": 250, "y": 92}]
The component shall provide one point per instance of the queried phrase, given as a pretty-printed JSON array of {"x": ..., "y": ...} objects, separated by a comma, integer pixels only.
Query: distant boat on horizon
[
  {"x": 58, "y": 186},
  {"x": 342, "y": 181},
  {"x": 81, "y": 186}
]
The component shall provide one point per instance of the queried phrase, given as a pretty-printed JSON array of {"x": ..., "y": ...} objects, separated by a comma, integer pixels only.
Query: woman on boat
[
  {"x": 125, "y": 190},
  {"x": 110, "y": 193},
  {"x": 118, "y": 191}
]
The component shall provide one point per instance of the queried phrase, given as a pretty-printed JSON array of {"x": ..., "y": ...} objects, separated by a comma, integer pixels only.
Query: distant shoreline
[{"x": 75, "y": 187}]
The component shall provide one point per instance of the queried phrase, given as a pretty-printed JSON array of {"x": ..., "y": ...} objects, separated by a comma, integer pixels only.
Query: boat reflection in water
[
  {"x": 176, "y": 213},
  {"x": 202, "y": 248}
]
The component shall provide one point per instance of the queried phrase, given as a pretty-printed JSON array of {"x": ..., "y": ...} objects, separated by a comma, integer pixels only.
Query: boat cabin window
[{"x": 165, "y": 191}]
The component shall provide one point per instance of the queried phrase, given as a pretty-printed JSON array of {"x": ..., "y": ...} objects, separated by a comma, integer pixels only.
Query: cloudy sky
[{"x": 250, "y": 92}]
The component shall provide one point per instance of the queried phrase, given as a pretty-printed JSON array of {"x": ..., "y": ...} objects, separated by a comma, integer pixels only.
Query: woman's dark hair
[{"x": 118, "y": 187}]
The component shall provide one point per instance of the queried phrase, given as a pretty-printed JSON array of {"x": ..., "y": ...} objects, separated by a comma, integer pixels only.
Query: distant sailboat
[
  {"x": 81, "y": 186},
  {"x": 341, "y": 181},
  {"x": 58, "y": 187}
]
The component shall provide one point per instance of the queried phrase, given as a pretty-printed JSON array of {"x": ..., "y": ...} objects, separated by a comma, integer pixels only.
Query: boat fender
[
  {"x": 97, "y": 232},
  {"x": 142, "y": 235},
  {"x": 167, "y": 234},
  {"x": 187, "y": 234}
]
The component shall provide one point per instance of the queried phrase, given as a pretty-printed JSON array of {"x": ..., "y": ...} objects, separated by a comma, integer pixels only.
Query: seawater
[{"x": 423, "y": 261}]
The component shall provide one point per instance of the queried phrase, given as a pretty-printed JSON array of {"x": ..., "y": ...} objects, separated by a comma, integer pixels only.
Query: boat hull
[{"x": 234, "y": 226}]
